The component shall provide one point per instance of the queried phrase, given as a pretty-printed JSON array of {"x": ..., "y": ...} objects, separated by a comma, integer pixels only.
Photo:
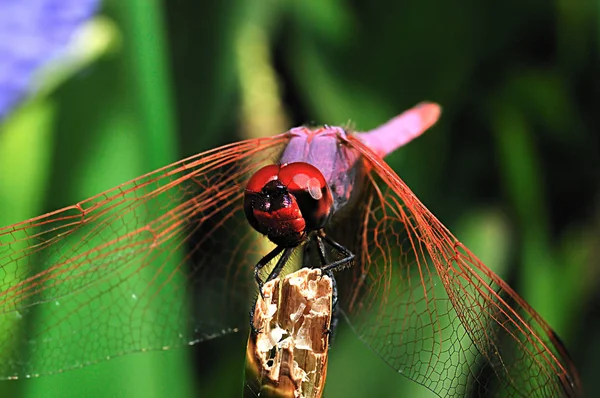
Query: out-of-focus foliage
[{"x": 513, "y": 167}]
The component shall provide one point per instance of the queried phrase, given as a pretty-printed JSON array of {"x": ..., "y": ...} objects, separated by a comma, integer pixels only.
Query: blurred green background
[{"x": 512, "y": 168}]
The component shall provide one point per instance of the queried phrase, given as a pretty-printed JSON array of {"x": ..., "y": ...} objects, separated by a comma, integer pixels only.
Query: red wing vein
[{"x": 445, "y": 325}]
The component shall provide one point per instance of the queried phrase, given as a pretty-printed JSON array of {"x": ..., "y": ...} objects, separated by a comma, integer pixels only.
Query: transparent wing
[
  {"x": 433, "y": 311},
  {"x": 160, "y": 261}
]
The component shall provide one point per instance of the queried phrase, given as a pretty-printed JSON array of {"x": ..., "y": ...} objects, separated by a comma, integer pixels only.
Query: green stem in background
[
  {"x": 147, "y": 50},
  {"x": 543, "y": 281},
  {"x": 149, "y": 74}
]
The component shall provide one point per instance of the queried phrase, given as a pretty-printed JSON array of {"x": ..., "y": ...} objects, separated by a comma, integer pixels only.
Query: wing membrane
[
  {"x": 434, "y": 312},
  {"x": 138, "y": 267}
]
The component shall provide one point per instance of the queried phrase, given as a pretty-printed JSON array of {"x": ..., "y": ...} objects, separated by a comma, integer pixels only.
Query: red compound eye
[
  {"x": 262, "y": 177},
  {"x": 285, "y": 202},
  {"x": 303, "y": 177},
  {"x": 308, "y": 185}
]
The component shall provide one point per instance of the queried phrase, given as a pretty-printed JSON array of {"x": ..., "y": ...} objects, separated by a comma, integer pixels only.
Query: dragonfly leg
[
  {"x": 274, "y": 273},
  {"x": 287, "y": 252},
  {"x": 306, "y": 255},
  {"x": 326, "y": 270},
  {"x": 322, "y": 253},
  {"x": 262, "y": 263},
  {"x": 334, "y": 308},
  {"x": 336, "y": 265}
]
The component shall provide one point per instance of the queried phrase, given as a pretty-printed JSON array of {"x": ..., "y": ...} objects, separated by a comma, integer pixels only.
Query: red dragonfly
[{"x": 168, "y": 259}]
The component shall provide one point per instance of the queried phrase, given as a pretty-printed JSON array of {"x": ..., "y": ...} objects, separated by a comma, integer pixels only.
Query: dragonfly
[{"x": 173, "y": 257}]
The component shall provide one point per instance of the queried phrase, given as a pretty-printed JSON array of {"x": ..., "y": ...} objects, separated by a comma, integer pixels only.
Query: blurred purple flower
[{"x": 33, "y": 32}]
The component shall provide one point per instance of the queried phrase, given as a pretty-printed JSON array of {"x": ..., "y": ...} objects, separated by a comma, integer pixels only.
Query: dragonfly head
[{"x": 286, "y": 202}]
